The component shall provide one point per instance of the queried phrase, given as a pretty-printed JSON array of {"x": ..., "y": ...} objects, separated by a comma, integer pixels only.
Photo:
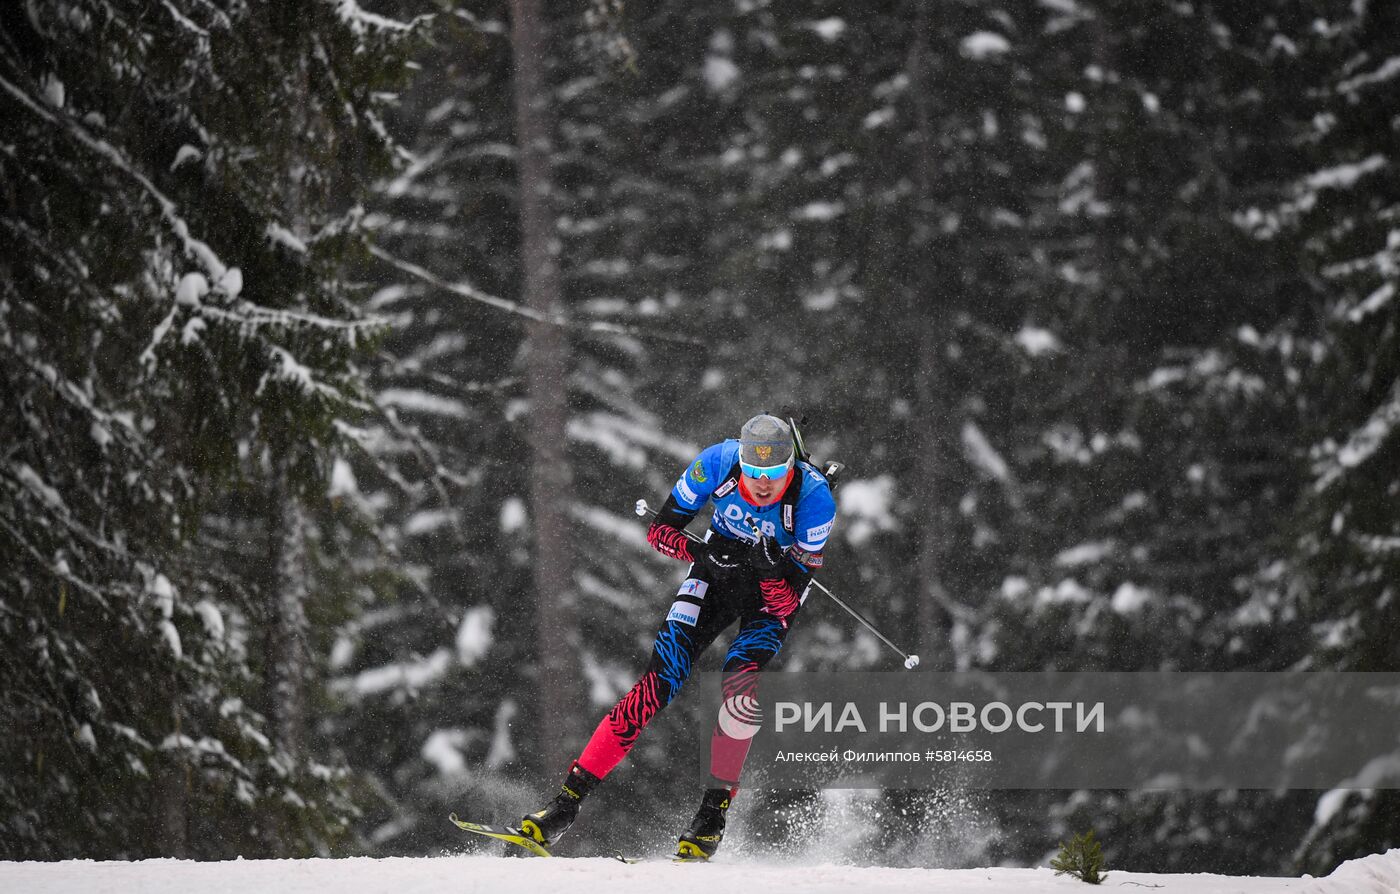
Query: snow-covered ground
[{"x": 1379, "y": 874}]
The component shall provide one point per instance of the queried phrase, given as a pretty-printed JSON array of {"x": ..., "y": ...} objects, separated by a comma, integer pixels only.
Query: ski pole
[{"x": 910, "y": 661}]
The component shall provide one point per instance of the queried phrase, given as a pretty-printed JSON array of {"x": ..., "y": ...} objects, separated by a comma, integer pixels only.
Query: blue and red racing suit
[{"x": 763, "y": 602}]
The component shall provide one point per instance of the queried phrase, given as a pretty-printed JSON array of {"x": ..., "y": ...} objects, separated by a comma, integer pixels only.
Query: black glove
[
  {"x": 767, "y": 559},
  {"x": 719, "y": 560}
]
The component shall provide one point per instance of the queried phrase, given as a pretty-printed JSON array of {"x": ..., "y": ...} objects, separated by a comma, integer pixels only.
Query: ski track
[{"x": 1378, "y": 874}]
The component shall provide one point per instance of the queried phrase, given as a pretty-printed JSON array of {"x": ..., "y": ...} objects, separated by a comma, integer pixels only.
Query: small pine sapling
[{"x": 1082, "y": 858}]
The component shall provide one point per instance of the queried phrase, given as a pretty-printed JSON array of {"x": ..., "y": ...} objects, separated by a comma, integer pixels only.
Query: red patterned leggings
[{"x": 694, "y": 622}]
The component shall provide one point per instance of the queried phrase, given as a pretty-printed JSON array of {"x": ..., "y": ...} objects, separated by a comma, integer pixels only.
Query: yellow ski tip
[{"x": 503, "y": 833}]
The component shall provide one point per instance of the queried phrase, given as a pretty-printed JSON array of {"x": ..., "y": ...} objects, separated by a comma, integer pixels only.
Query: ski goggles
[{"x": 752, "y": 471}]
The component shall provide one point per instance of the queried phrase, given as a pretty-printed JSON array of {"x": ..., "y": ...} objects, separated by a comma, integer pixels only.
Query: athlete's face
[{"x": 765, "y": 490}]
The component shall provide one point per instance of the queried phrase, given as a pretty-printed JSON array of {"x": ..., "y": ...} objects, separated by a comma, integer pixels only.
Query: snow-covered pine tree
[
  {"x": 1343, "y": 203},
  {"x": 427, "y": 681},
  {"x": 180, "y": 185},
  {"x": 450, "y": 669},
  {"x": 1166, "y": 475}
]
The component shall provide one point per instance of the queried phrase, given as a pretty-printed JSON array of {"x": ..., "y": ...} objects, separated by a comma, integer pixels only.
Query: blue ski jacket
[{"x": 800, "y": 520}]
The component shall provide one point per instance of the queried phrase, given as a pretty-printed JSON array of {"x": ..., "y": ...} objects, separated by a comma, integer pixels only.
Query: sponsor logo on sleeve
[
  {"x": 695, "y": 587},
  {"x": 684, "y": 490},
  {"x": 684, "y": 612},
  {"x": 818, "y": 534}
]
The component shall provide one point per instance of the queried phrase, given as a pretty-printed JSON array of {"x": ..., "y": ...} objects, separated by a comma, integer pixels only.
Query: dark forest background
[{"x": 337, "y": 341}]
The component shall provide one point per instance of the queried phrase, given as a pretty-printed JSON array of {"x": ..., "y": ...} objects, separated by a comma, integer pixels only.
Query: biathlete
[{"x": 757, "y": 481}]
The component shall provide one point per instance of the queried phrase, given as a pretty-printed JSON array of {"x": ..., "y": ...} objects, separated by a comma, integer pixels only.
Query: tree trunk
[
  {"x": 173, "y": 821},
  {"x": 931, "y": 615},
  {"x": 287, "y": 624},
  {"x": 930, "y": 310},
  {"x": 560, "y": 692}
]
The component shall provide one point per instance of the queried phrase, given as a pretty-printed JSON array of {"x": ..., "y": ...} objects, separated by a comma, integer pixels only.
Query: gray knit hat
[{"x": 765, "y": 441}]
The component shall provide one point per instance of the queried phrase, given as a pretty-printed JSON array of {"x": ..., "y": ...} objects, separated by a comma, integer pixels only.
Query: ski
[
  {"x": 525, "y": 842},
  {"x": 502, "y": 833},
  {"x": 685, "y": 858},
  {"x": 674, "y": 858}
]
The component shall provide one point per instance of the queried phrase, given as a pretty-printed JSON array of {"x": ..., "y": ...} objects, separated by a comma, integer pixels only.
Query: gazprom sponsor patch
[
  {"x": 683, "y": 488},
  {"x": 695, "y": 587},
  {"x": 684, "y": 612}
]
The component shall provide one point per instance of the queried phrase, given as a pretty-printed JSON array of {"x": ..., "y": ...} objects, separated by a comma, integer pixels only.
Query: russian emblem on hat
[{"x": 765, "y": 441}]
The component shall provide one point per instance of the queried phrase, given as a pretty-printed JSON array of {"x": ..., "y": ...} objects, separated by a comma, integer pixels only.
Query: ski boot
[
  {"x": 548, "y": 824},
  {"x": 706, "y": 831}
]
